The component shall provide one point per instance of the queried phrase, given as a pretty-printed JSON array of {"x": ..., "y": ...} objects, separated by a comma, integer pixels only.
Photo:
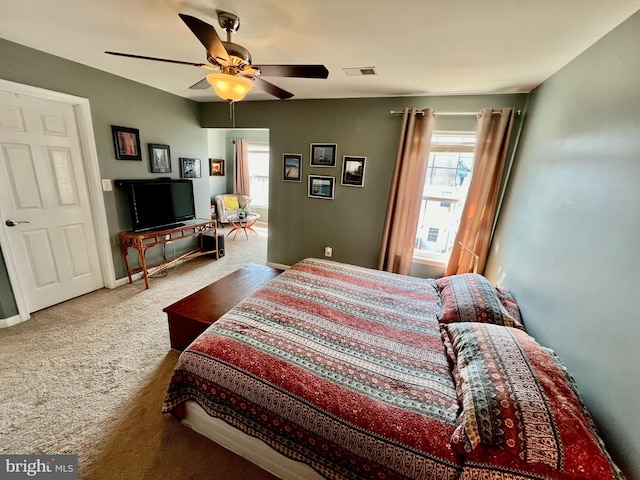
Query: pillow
[
  {"x": 230, "y": 202},
  {"x": 520, "y": 408},
  {"x": 510, "y": 304},
  {"x": 469, "y": 297}
]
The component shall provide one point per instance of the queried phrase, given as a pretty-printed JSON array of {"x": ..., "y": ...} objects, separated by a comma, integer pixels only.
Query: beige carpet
[{"x": 88, "y": 377}]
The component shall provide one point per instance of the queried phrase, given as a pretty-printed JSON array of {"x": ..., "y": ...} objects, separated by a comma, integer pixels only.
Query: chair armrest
[{"x": 220, "y": 212}]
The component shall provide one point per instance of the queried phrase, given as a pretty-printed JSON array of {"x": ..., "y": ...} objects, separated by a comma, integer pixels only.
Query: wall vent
[{"x": 359, "y": 71}]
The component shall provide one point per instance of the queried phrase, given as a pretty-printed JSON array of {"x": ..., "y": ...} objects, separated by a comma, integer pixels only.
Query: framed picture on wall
[
  {"x": 292, "y": 167},
  {"x": 353, "y": 171},
  {"x": 159, "y": 158},
  {"x": 216, "y": 167},
  {"x": 190, "y": 168},
  {"x": 126, "y": 142},
  {"x": 323, "y": 154},
  {"x": 321, "y": 186}
]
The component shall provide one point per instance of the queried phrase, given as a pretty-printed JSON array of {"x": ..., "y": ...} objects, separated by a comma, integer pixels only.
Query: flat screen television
[{"x": 159, "y": 203}]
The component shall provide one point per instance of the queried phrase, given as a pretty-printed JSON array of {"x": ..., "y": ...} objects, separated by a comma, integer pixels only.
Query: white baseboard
[
  {"x": 11, "y": 321},
  {"x": 122, "y": 281}
]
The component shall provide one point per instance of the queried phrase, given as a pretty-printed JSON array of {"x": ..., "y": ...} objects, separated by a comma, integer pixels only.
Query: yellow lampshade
[{"x": 232, "y": 88}]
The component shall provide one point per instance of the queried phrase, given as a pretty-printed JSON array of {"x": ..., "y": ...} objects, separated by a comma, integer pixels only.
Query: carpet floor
[{"x": 88, "y": 377}]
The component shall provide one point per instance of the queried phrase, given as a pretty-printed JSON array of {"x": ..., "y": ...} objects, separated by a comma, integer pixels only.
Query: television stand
[{"x": 142, "y": 241}]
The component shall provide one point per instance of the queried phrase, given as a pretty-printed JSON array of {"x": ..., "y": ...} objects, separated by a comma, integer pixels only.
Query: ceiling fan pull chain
[{"x": 232, "y": 113}]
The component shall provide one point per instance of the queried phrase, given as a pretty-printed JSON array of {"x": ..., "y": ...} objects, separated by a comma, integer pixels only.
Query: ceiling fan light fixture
[
  {"x": 231, "y": 88},
  {"x": 237, "y": 73}
]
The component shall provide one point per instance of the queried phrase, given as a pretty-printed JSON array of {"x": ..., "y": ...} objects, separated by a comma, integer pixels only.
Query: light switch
[{"x": 107, "y": 186}]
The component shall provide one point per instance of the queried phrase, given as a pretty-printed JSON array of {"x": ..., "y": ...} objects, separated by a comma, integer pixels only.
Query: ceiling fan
[{"x": 237, "y": 75}]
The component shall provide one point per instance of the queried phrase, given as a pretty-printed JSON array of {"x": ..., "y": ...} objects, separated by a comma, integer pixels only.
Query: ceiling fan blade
[
  {"x": 141, "y": 57},
  {"x": 201, "y": 85},
  {"x": 209, "y": 38},
  {"x": 302, "y": 71},
  {"x": 271, "y": 88}
]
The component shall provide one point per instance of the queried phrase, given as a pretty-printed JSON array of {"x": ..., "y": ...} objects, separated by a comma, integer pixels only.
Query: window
[
  {"x": 258, "y": 154},
  {"x": 448, "y": 176},
  {"x": 432, "y": 236}
]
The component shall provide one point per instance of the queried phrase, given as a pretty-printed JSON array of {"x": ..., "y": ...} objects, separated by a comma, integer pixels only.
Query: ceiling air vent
[{"x": 356, "y": 71}]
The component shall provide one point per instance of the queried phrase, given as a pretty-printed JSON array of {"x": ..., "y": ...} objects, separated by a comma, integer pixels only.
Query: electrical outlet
[{"x": 328, "y": 251}]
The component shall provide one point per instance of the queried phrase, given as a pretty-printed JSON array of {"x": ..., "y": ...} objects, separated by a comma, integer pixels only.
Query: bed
[{"x": 338, "y": 371}]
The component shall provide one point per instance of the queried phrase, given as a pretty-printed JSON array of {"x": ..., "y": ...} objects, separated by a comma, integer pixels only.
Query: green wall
[
  {"x": 352, "y": 223},
  {"x": 160, "y": 117},
  {"x": 8, "y": 307},
  {"x": 567, "y": 241}
]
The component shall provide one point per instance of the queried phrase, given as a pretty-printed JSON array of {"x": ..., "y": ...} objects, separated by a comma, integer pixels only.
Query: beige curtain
[
  {"x": 241, "y": 168},
  {"x": 405, "y": 197},
  {"x": 478, "y": 215}
]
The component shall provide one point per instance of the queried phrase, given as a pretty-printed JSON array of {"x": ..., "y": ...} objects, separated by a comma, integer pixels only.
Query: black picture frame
[
  {"x": 159, "y": 158},
  {"x": 190, "y": 168},
  {"x": 126, "y": 142},
  {"x": 321, "y": 186},
  {"x": 292, "y": 167},
  {"x": 323, "y": 154},
  {"x": 216, "y": 167},
  {"x": 353, "y": 171}
]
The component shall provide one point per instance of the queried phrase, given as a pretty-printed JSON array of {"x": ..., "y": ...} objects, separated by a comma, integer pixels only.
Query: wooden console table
[{"x": 142, "y": 241}]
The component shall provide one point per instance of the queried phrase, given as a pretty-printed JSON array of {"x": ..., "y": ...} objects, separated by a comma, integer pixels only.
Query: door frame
[{"x": 82, "y": 111}]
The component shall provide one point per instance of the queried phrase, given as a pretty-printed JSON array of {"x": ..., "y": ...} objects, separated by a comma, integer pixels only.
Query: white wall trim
[
  {"x": 11, "y": 321},
  {"x": 92, "y": 167}
]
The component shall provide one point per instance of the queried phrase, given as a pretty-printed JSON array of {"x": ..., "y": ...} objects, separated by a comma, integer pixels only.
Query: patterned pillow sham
[
  {"x": 520, "y": 407},
  {"x": 509, "y": 303},
  {"x": 469, "y": 297}
]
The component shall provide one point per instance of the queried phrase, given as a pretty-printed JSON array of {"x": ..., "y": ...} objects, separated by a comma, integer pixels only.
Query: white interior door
[{"x": 43, "y": 189}]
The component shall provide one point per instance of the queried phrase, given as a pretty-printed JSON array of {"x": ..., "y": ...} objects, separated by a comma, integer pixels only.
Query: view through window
[
  {"x": 448, "y": 176},
  {"x": 258, "y": 154}
]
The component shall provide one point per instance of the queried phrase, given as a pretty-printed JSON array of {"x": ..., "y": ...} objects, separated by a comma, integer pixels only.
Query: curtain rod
[{"x": 421, "y": 113}]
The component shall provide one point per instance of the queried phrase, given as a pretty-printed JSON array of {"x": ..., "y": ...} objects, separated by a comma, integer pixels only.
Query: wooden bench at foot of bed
[{"x": 191, "y": 316}]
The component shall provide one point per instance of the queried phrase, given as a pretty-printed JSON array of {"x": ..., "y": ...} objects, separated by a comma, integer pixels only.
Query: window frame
[{"x": 465, "y": 146}]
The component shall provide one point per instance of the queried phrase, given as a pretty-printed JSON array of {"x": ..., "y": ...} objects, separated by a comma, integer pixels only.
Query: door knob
[{"x": 13, "y": 223}]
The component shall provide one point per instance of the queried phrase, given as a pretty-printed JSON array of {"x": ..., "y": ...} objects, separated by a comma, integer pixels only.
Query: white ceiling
[{"x": 418, "y": 47}]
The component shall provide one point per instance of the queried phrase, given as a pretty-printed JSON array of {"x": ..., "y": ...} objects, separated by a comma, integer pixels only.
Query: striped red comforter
[
  {"x": 344, "y": 368},
  {"x": 338, "y": 366}
]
